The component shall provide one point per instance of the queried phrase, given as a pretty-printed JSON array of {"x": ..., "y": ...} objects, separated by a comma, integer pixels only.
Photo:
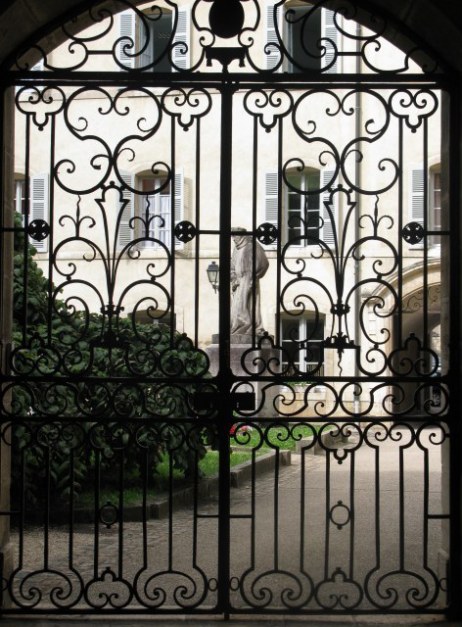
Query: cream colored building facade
[{"x": 154, "y": 133}]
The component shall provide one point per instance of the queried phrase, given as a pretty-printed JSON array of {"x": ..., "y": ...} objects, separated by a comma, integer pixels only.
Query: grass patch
[
  {"x": 209, "y": 464},
  {"x": 280, "y": 437},
  {"x": 261, "y": 439},
  {"x": 133, "y": 495}
]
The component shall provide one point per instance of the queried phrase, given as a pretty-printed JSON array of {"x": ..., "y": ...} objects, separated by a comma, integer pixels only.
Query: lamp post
[{"x": 213, "y": 273}]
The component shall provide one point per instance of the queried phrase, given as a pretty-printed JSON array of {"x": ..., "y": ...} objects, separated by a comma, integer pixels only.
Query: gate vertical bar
[
  {"x": 451, "y": 132},
  {"x": 294, "y": 79},
  {"x": 224, "y": 374},
  {"x": 6, "y": 298}
]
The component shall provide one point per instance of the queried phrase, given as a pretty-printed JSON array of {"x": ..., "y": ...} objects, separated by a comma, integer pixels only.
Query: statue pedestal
[{"x": 254, "y": 364}]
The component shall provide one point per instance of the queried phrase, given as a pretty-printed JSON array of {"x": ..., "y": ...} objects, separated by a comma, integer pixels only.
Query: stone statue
[{"x": 245, "y": 285}]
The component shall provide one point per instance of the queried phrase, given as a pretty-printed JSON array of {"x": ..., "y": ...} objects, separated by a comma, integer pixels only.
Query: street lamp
[{"x": 213, "y": 271}]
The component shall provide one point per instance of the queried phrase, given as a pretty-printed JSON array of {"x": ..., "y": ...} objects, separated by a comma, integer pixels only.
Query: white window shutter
[
  {"x": 126, "y": 230},
  {"x": 181, "y": 54},
  {"x": 39, "y": 207},
  {"x": 178, "y": 214},
  {"x": 417, "y": 203},
  {"x": 327, "y": 231},
  {"x": 274, "y": 56},
  {"x": 271, "y": 198},
  {"x": 127, "y": 31},
  {"x": 330, "y": 32}
]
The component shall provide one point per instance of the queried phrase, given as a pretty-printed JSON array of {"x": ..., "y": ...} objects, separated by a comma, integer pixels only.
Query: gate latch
[
  {"x": 204, "y": 401},
  {"x": 243, "y": 400}
]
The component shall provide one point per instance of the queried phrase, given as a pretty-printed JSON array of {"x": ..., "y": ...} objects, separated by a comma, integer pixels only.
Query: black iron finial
[{"x": 226, "y": 18}]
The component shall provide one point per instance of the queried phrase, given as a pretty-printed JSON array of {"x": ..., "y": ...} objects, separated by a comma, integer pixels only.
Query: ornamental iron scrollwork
[
  {"x": 38, "y": 230},
  {"x": 267, "y": 233},
  {"x": 231, "y": 44},
  {"x": 413, "y": 233},
  {"x": 160, "y": 464},
  {"x": 342, "y": 584},
  {"x": 185, "y": 231}
]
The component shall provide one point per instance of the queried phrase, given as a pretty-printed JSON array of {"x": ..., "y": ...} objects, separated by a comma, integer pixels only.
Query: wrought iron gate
[{"x": 150, "y": 144}]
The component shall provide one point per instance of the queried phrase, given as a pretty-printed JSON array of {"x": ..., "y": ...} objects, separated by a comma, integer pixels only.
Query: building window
[
  {"x": 151, "y": 204},
  {"x": 309, "y": 33},
  {"x": 154, "y": 35},
  {"x": 38, "y": 207},
  {"x": 155, "y": 209},
  {"x": 20, "y": 196},
  {"x": 302, "y": 343},
  {"x": 306, "y": 220},
  {"x": 435, "y": 203},
  {"x": 157, "y": 37},
  {"x": 430, "y": 188},
  {"x": 302, "y": 207},
  {"x": 303, "y": 38}
]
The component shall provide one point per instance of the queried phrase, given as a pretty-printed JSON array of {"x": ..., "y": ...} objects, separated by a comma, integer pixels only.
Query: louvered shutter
[
  {"x": 271, "y": 35},
  {"x": 327, "y": 231},
  {"x": 417, "y": 204},
  {"x": 128, "y": 32},
  {"x": 271, "y": 198},
  {"x": 330, "y": 32},
  {"x": 180, "y": 54},
  {"x": 178, "y": 214},
  {"x": 39, "y": 207},
  {"x": 126, "y": 233}
]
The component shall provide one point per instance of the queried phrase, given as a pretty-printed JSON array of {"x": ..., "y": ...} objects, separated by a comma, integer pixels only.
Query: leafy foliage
[
  {"x": 36, "y": 310},
  {"x": 114, "y": 373}
]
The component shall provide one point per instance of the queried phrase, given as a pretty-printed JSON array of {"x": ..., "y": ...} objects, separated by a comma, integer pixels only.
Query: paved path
[
  {"x": 393, "y": 621},
  {"x": 375, "y": 519}
]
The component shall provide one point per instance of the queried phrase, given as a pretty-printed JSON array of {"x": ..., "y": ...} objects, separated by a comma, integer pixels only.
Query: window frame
[
  {"x": 131, "y": 229},
  {"x": 327, "y": 30},
  {"x": 153, "y": 204},
  {"x": 142, "y": 33},
  {"x": 271, "y": 206},
  {"x": 435, "y": 208},
  {"x": 422, "y": 198},
  {"x": 37, "y": 205},
  {"x": 303, "y": 210},
  {"x": 302, "y": 365},
  {"x": 20, "y": 199}
]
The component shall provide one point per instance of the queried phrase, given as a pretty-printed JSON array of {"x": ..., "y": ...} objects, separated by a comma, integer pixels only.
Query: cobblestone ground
[
  {"x": 280, "y": 546},
  {"x": 98, "y": 555}
]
